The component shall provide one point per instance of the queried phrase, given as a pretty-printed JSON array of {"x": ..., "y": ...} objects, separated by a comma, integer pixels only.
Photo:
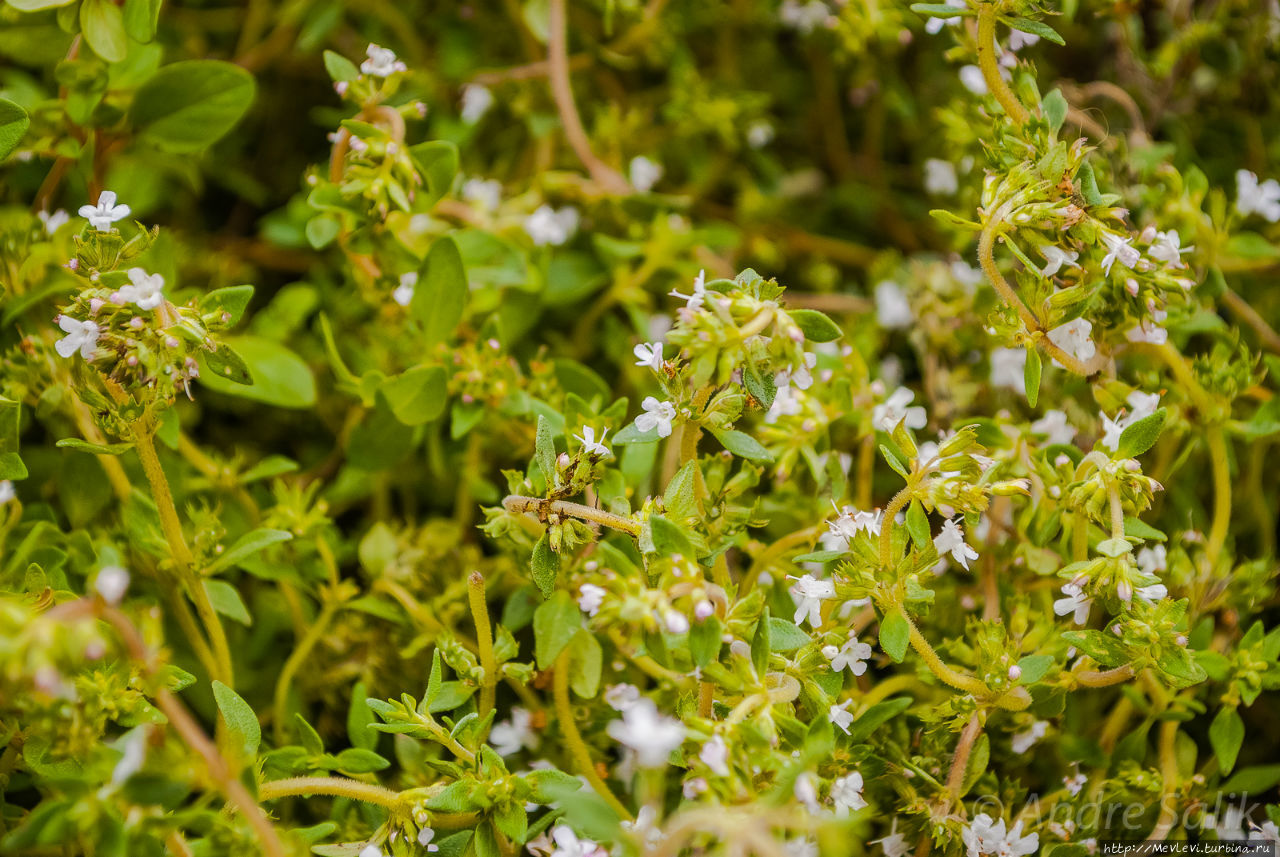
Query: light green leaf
[
  {"x": 742, "y": 445},
  {"x": 1142, "y": 435},
  {"x": 1226, "y": 734},
  {"x": 248, "y": 545},
  {"x": 555, "y": 623},
  {"x": 102, "y": 23},
  {"x": 895, "y": 634},
  {"x": 441, "y": 294},
  {"x": 226, "y": 599},
  {"x": 815, "y": 326},
  {"x": 417, "y": 395},
  {"x": 241, "y": 722},
  {"x": 187, "y": 106},
  {"x": 280, "y": 377},
  {"x": 13, "y": 124}
]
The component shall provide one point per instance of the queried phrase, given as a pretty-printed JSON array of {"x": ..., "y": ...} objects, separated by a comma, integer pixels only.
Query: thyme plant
[{"x": 637, "y": 429}]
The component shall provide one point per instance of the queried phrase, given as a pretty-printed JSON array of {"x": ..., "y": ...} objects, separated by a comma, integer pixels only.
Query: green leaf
[
  {"x": 279, "y": 377},
  {"x": 94, "y": 448},
  {"x": 918, "y": 525},
  {"x": 1136, "y": 528},
  {"x": 706, "y": 640},
  {"x": 815, "y": 326},
  {"x": 102, "y": 23},
  {"x": 248, "y": 545},
  {"x": 545, "y": 564},
  {"x": 417, "y": 395},
  {"x": 876, "y": 716},
  {"x": 891, "y": 458},
  {"x": 141, "y": 18},
  {"x": 761, "y": 644},
  {"x": 669, "y": 538},
  {"x": 954, "y": 220},
  {"x": 742, "y": 445},
  {"x": 441, "y": 294},
  {"x": 895, "y": 635},
  {"x": 555, "y": 623},
  {"x": 1089, "y": 184},
  {"x": 1141, "y": 436},
  {"x": 37, "y": 5},
  {"x": 359, "y": 717},
  {"x": 786, "y": 636},
  {"x": 1034, "y": 668},
  {"x": 340, "y": 68},
  {"x": 355, "y": 760},
  {"x": 1226, "y": 734},
  {"x": 438, "y": 162},
  {"x": 761, "y": 388},
  {"x": 230, "y": 301},
  {"x": 226, "y": 599},
  {"x": 1037, "y": 28},
  {"x": 189, "y": 105},
  {"x": 1031, "y": 376},
  {"x": 241, "y": 722},
  {"x": 940, "y": 10},
  {"x": 544, "y": 452},
  {"x": 13, "y": 124},
  {"x": 227, "y": 367},
  {"x": 1253, "y": 780},
  {"x": 1054, "y": 107},
  {"x": 585, "y": 664}
]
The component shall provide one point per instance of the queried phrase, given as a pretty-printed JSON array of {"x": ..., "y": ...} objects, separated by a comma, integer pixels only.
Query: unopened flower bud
[
  {"x": 1015, "y": 672},
  {"x": 111, "y": 583}
]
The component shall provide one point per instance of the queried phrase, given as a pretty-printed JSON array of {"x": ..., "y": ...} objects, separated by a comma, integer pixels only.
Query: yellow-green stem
[
  {"x": 484, "y": 640},
  {"x": 543, "y": 507},
  {"x": 989, "y": 63},
  {"x": 171, "y": 526},
  {"x": 297, "y": 657},
  {"x": 1221, "y": 489},
  {"x": 891, "y": 511},
  {"x": 335, "y": 786},
  {"x": 573, "y": 738}
]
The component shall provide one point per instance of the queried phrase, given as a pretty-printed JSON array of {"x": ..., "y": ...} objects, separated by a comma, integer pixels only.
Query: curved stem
[
  {"x": 891, "y": 511},
  {"x": 1222, "y": 491},
  {"x": 336, "y": 786},
  {"x": 543, "y": 507},
  {"x": 291, "y": 666},
  {"x": 991, "y": 68},
  {"x": 938, "y": 667},
  {"x": 1105, "y": 678},
  {"x": 573, "y": 738},
  {"x": 562, "y": 93},
  {"x": 484, "y": 641},
  {"x": 171, "y": 525},
  {"x": 960, "y": 762},
  {"x": 1168, "y": 774}
]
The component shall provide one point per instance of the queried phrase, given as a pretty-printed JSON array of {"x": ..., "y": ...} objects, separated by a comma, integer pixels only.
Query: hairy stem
[
  {"x": 573, "y": 738},
  {"x": 336, "y": 786},
  {"x": 543, "y": 507},
  {"x": 1222, "y": 491},
  {"x": 988, "y": 62},
  {"x": 297, "y": 657},
  {"x": 484, "y": 641}
]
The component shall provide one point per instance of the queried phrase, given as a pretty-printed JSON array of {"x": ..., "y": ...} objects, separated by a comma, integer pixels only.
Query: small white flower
[
  {"x": 841, "y": 716},
  {"x": 146, "y": 291},
  {"x": 1147, "y": 331},
  {"x": 1118, "y": 249},
  {"x": 111, "y": 584},
  {"x": 1142, "y": 405},
  {"x": 81, "y": 336},
  {"x": 381, "y": 62},
  {"x": 851, "y": 521},
  {"x": 786, "y": 401},
  {"x": 1054, "y": 424},
  {"x": 589, "y": 443},
  {"x": 982, "y": 836},
  {"x": 425, "y": 835},
  {"x": 548, "y": 226},
  {"x": 54, "y": 222},
  {"x": 893, "y": 310},
  {"x": 1056, "y": 258},
  {"x": 806, "y": 792},
  {"x": 403, "y": 294},
  {"x": 105, "y": 213},
  {"x": 715, "y": 755},
  {"x": 1024, "y": 741},
  {"x": 759, "y": 134},
  {"x": 1167, "y": 248},
  {"x": 6, "y": 491},
  {"x": 803, "y": 847},
  {"x": 1073, "y": 338},
  {"x": 895, "y": 410},
  {"x": 1111, "y": 431},
  {"x": 657, "y": 415},
  {"x": 371, "y": 850},
  {"x": 852, "y": 655},
  {"x": 1075, "y": 784},
  {"x": 804, "y": 17},
  {"x": 1075, "y": 602},
  {"x": 484, "y": 193},
  {"x": 652, "y": 736},
  {"x": 846, "y": 793},
  {"x": 1153, "y": 593},
  {"x": 476, "y": 101},
  {"x": 649, "y": 354},
  {"x": 895, "y": 844},
  {"x": 590, "y": 597},
  {"x": 510, "y": 736},
  {"x": 809, "y": 593},
  {"x": 134, "y": 748},
  {"x": 940, "y": 177},
  {"x": 1018, "y": 40},
  {"x": 569, "y": 845},
  {"x": 694, "y": 301},
  {"x": 951, "y": 540},
  {"x": 1153, "y": 559},
  {"x": 1253, "y": 198},
  {"x": 935, "y": 25},
  {"x": 973, "y": 80},
  {"x": 620, "y": 697},
  {"x": 644, "y": 173},
  {"x": 802, "y": 377},
  {"x": 1008, "y": 368}
]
